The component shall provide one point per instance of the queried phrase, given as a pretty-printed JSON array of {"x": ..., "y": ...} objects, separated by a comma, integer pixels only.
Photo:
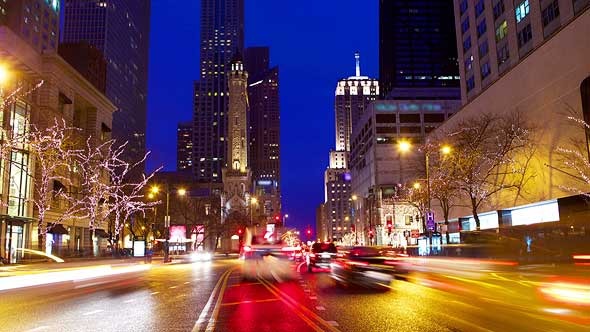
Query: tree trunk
[
  {"x": 474, "y": 211},
  {"x": 41, "y": 236}
]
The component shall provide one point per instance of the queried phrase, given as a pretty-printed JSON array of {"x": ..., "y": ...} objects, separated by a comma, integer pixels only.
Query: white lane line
[
  {"x": 203, "y": 316},
  {"x": 92, "y": 312},
  {"x": 172, "y": 287},
  {"x": 299, "y": 267},
  {"x": 187, "y": 282},
  {"x": 313, "y": 297},
  {"x": 40, "y": 328},
  {"x": 333, "y": 323},
  {"x": 154, "y": 293},
  {"x": 320, "y": 308},
  {"x": 128, "y": 301}
]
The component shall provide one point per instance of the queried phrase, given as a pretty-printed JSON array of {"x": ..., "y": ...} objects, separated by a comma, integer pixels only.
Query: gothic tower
[{"x": 236, "y": 173}]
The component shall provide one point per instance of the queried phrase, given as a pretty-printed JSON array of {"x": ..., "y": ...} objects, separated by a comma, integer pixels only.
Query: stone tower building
[{"x": 237, "y": 177}]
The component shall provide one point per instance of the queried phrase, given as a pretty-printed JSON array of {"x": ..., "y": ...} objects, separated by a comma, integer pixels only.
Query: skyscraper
[
  {"x": 222, "y": 36},
  {"x": 120, "y": 29},
  {"x": 263, "y": 95},
  {"x": 36, "y": 22},
  {"x": 184, "y": 146},
  {"x": 417, "y": 44},
  {"x": 353, "y": 94}
]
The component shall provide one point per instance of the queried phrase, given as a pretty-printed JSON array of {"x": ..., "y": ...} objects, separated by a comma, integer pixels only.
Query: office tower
[
  {"x": 353, "y": 94},
  {"x": 120, "y": 30},
  {"x": 184, "y": 146},
  {"x": 222, "y": 36},
  {"x": 263, "y": 95},
  {"x": 36, "y": 22},
  {"x": 417, "y": 44}
]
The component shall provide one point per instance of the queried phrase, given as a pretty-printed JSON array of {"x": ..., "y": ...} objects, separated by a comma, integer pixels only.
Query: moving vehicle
[
  {"x": 266, "y": 256},
  {"x": 320, "y": 255},
  {"x": 364, "y": 266}
]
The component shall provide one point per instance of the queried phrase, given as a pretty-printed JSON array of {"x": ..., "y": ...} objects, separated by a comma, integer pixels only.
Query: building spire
[{"x": 357, "y": 56}]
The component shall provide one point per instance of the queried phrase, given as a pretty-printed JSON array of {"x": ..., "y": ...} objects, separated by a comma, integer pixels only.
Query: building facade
[
  {"x": 120, "y": 30},
  {"x": 538, "y": 65},
  {"x": 35, "y": 22},
  {"x": 416, "y": 40},
  {"x": 184, "y": 146},
  {"x": 41, "y": 89},
  {"x": 379, "y": 169},
  {"x": 222, "y": 36},
  {"x": 88, "y": 61},
  {"x": 264, "y": 128}
]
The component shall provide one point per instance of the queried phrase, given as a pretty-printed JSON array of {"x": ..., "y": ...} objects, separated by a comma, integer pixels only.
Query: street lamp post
[
  {"x": 285, "y": 217},
  {"x": 181, "y": 192},
  {"x": 253, "y": 200}
]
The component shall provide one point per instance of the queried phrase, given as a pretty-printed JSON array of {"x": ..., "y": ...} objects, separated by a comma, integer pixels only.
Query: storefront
[{"x": 13, "y": 238}]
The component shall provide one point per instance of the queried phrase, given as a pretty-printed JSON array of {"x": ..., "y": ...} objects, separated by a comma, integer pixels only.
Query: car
[
  {"x": 266, "y": 257},
  {"x": 368, "y": 267},
  {"x": 320, "y": 255},
  {"x": 201, "y": 256}
]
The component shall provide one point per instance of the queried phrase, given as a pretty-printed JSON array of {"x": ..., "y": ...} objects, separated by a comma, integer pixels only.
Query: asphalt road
[{"x": 215, "y": 297}]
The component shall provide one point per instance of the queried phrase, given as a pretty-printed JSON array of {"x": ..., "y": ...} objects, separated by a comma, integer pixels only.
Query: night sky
[{"x": 313, "y": 43}]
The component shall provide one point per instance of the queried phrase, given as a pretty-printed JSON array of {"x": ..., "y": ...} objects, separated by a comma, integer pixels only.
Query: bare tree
[
  {"x": 53, "y": 151},
  {"x": 485, "y": 156},
  {"x": 576, "y": 161}
]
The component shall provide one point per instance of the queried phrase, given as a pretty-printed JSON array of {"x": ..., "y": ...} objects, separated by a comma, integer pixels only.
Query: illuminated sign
[
  {"x": 264, "y": 182},
  {"x": 178, "y": 233},
  {"x": 408, "y": 107}
]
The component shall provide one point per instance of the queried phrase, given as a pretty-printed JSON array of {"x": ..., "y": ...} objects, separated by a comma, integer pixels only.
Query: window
[
  {"x": 468, "y": 63},
  {"x": 481, "y": 28},
  {"x": 550, "y": 13},
  {"x": 483, "y": 49},
  {"x": 19, "y": 184},
  {"x": 465, "y": 25},
  {"x": 485, "y": 70},
  {"x": 463, "y": 7},
  {"x": 501, "y": 31},
  {"x": 479, "y": 7},
  {"x": 522, "y": 10},
  {"x": 525, "y": 35},
  {"x": 498, "y": 9},
  {"x": 503, "y": 54},
  {"x": 467, "y": 44},
  {"x": 470, "y": 83}
]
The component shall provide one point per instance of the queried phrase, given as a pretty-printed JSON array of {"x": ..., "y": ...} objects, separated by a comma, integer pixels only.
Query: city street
[{"x": 212, "y": 296}]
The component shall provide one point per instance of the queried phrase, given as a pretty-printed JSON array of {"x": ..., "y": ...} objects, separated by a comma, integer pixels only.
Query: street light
[
  {"x": 446, "y": 150},
  {"x": 403, "y": 146},
  {"x": 180, "y": 192},
  {"x": 4, "y": 74},
  {"x": 416, "y": 185}
]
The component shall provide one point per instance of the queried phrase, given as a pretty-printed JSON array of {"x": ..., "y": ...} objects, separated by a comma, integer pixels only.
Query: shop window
[{"x": 19, "y": 184}]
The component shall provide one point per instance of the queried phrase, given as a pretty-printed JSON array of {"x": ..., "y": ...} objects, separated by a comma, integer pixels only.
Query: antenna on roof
[{"x": 357, "y": 56}]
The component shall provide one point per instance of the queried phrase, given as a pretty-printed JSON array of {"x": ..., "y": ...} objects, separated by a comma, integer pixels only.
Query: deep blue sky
[{"x": 313, "y": 43}]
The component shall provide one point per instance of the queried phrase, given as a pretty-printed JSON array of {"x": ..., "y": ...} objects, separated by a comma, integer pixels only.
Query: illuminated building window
[
  {"x": 522, "y": 10},
  {"x": 501, "y": 31}
]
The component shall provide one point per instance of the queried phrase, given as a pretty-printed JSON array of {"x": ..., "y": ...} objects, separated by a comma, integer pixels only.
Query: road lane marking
[
  {"x": 320, "y": 308},
  {"x": 154, "y": 293},
  {"x": 128, "y": 301},
  {"x": 299, "y": 267},
  {"x": 205, "y": 310},
  {"x": 313, "y": 297},
  {"x": 298, "y": 308},
  {"x": 172, "y": 287},
  {"x": 293, "y": 307},
  {"x": 215, "y": 314},
  {"x": 333, "y": 323},
  {"x": 92, "y": 312},
  {"x": 249, "y": 302},
  {"x": 187, "y": 282},
  {"x": 245, "y": 284}
]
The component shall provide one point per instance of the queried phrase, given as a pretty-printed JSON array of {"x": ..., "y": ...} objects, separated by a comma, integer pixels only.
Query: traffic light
[
  {"x": 389, "y": 226},
  {"x": 240, "y": 231},
  {"x": 277, "y": 218},
  {"x": 352, "y": 228},
  {"x": 308, "y": 232}
]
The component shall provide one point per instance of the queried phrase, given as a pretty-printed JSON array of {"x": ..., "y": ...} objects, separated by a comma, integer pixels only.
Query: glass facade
[{"x": 417, "y": 44}]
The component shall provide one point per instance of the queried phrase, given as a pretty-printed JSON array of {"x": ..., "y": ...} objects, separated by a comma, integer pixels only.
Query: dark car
[
  {"x": 364, "y": 266},
  {"x": 320, "y": 255}
]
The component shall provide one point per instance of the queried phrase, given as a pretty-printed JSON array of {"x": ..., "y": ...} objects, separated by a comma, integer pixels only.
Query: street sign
[
  {"x": 430, "y": 221},
  {"x": 415, "y": 233}
]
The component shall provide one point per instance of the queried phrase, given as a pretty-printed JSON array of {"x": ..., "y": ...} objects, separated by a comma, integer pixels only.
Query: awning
[
  {"x": 58, "y": 229},
  {"x": 101, "y": 233}
]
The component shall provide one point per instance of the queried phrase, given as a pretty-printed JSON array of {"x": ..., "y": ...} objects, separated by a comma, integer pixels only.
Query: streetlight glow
[
  {"x": 181, "y": 192},
  {"x": 354, "y": 197},
  {"x": 253, "y": 200},
  {"x": 445, "y": 149},
  {"x": 151, "y": 196},
  {"x": 3, "y": 75},
  {"x": 416, "y": 185},
  {"x": 404, "y": 146},
  {"x": 154, "y": 190}
]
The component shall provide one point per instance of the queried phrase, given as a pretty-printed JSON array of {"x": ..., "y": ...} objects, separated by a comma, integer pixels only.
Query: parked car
[
  {"x": 320, "y": 255},
  {"x": 365, "y": 266}
]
